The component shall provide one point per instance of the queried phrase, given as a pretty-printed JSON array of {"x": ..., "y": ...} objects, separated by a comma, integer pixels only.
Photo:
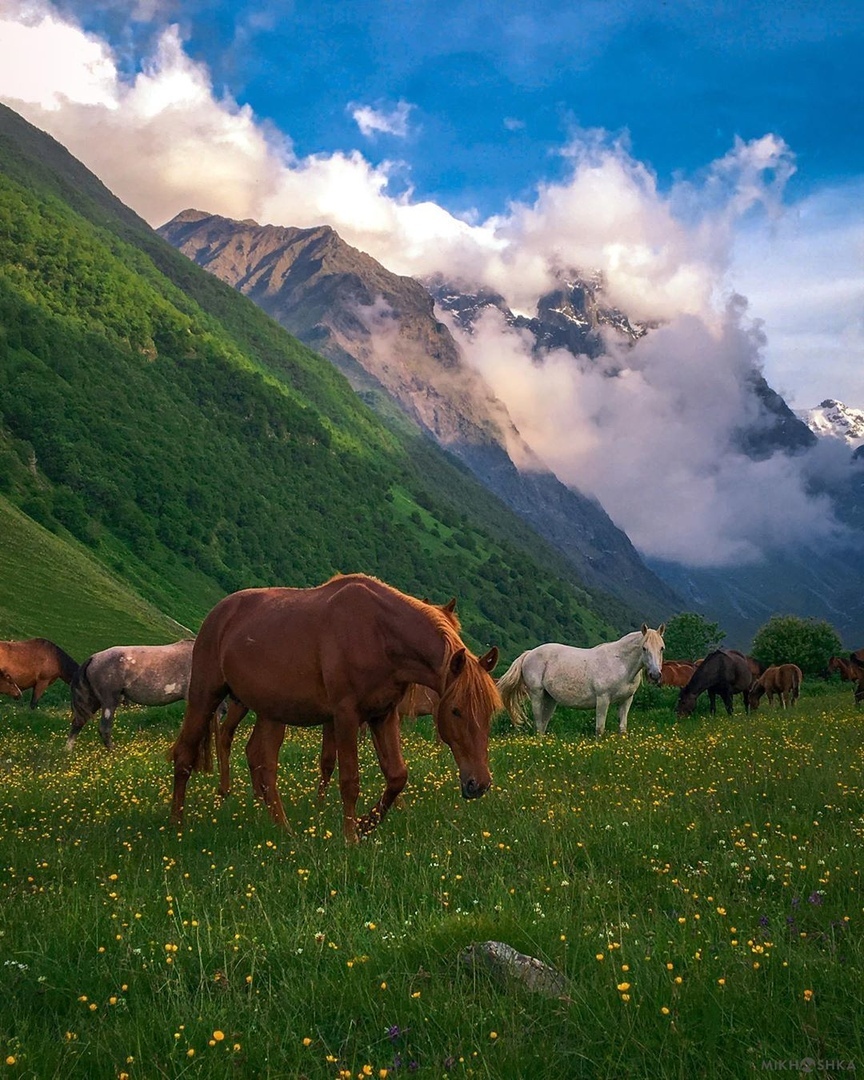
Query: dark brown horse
[
  {"x": 676, "y": 673},
  {"x": 341, "y": 654},
  {"x": 9, "y": 686},
  {"x": 35, "y": 663},
  {"x": 724, "y": 672},
  {"x": 857, "y": 668},
  {"x": 784, "y": 680}
]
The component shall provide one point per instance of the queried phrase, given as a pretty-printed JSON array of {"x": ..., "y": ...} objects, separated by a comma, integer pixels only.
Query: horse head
[
  {"x": 9, "y": 686},
  {"x": 652, "y": 651},
  {"x": 464, "y": 716},
  {"x": 686, "y": 703},
  {"x": 755, "y": 694}
]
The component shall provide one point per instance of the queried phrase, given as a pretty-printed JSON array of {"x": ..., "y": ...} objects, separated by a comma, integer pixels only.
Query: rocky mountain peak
[{"x": 833, "y": 419}]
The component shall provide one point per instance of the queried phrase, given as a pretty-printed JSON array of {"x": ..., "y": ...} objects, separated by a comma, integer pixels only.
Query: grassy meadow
[{"x": 697, "y": 882}]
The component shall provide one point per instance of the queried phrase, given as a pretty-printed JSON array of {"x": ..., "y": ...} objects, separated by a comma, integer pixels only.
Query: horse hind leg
[
  {"x": 106, "y": 722},
  {"x": 225, "y": 731},
  {"x": 542, "y": 706},
  {"x": 327, "y": 760},
  {"x": 191, "y": 749},
  {"x": 262, "y": 754}
]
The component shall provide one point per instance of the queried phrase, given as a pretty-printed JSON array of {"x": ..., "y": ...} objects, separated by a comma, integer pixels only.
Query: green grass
[
  {"x": 711, "y": 864},
  {"x": 53, "y": 588}
]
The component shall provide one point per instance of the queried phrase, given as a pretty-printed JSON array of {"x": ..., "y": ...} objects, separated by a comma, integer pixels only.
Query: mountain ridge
[{"x": 381, "y": 331}]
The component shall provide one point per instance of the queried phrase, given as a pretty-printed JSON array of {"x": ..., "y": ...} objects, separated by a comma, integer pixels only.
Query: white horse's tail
[{"x": 513, "y": 691}]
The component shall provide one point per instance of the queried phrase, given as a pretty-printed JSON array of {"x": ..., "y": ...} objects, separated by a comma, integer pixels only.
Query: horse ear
[
  {"x": 644, "y": 627},
  {"x": 661, "y": 629},
  {"x": 450, "y": 606},
  {"x": 457, "y": 662},
  {"x": 490, "y": 660}
]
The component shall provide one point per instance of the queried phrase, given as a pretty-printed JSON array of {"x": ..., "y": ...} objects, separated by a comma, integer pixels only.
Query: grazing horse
[
  {"x": 784, "y": 680},
  {"x": 35, "y": 663},
  {"x": 142, "y": 674},
  {"x": 856, "y": 666},
  {"x": 843, "y": 668},
  {"x": 418, "y": 701},
  {"x": 676, "y": 673},
  {"x": 725, "y": 672},
  {"x": 339, "y": 654},
  {"x": 608, "y": 674},
  {"x": 9, "y": 686}
]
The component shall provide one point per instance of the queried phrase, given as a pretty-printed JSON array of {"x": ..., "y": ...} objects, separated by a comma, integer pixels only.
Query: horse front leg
[
  {"x": 386, "y": 736},
  {"x": 327, "y": 761},
  {"x": 345, "y": 731},
  {"x": 262, "y": 753},
  {"x": 601, "y": 707},
  {"x": 623, "y": 713},
  {"x": 39, "y": 688},
  {"x": 225, "y": 740}
]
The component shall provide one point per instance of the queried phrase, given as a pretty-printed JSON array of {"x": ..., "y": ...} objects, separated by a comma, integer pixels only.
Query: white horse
[{"x": 608, "y": 674}]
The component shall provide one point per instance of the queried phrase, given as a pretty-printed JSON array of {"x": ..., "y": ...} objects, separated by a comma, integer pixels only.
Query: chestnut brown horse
[
  {"x": 418, "y": 701},
  {"x": 676, "y": 673},
  {"x": 784, "y": 680},
  {"x": 842, "y": 667},
  {"x": 9, "y": 686},
  {"x": 342, "y": 653},
  {"x": 35, "y": 663}
]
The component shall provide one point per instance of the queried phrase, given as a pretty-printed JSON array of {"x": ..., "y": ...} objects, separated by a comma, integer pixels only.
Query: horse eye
[{"x": 457, "y": 712}]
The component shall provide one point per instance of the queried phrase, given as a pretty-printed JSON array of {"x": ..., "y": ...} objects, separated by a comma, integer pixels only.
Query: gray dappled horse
[{"x": 141, "y": 674}]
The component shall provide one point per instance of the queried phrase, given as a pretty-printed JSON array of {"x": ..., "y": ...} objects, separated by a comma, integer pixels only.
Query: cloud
[
  {"x": 805, "y": 277},
  {"x": 378, "y": 121},
  {"x": 655, "y": 444}
]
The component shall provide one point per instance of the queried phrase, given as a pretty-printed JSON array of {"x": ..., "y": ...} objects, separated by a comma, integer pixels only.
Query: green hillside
[
  {"x": 193, "y": 447},
  {"x": 53, "y": 588}
]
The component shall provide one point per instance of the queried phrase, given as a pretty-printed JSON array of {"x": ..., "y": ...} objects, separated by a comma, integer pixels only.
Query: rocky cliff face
[{"x": 380, "y": 329}]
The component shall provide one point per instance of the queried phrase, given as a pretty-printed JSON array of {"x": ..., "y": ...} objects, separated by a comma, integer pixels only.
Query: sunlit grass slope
[
  {"x": 51, "y": 587},
  {"x": 697, "y": 882}
]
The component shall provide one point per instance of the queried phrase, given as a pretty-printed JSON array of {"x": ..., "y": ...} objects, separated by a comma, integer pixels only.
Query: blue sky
[
  {"x": 495, "y": 89},
  {"x": 693, "y": 153}
]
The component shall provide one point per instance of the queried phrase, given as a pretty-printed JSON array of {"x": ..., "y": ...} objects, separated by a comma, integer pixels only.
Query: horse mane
[{"x": 473, "y": 681}]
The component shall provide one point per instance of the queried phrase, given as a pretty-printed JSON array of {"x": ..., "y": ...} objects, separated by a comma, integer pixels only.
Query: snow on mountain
[{"x": 834, "y": 419}]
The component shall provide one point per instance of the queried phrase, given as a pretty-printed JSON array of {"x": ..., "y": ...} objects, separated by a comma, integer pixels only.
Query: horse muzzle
[{"x": 472, "y": 790}]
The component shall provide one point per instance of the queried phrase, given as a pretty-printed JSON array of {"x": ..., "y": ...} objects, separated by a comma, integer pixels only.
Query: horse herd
[{"x": 356, "y": 652}]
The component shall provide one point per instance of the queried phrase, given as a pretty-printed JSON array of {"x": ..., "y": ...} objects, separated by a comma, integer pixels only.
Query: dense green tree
[
  {"x": 788, "y": 639},
  {"x": 689, "y": 636}
]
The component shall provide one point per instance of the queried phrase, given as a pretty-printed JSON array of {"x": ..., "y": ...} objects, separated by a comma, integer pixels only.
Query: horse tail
[
  {"x": 84, "y": 700},
  {"x": 68, "y": 666},
  {"x": 513, "y": 691}
]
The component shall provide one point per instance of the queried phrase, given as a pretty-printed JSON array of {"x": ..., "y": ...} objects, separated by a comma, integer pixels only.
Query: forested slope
[{"x": 194, "y": 447}]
